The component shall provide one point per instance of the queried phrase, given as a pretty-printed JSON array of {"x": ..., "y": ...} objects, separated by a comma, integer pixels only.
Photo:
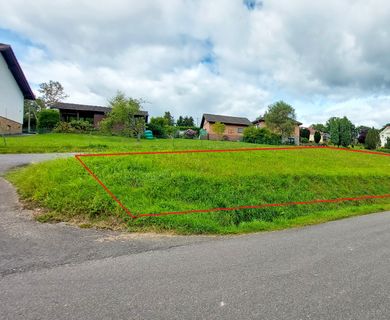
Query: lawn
[
  {"x": 176, "y": 182},
  {"x": 59, "y": 142}
]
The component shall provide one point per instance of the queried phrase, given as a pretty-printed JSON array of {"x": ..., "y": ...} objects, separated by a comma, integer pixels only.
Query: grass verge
[{"x": 160, "y": 183}]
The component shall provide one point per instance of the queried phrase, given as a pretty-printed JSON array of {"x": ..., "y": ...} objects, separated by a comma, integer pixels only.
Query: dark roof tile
[
  {"x": 86, "y": 107},
  {"x": 225, "y": 119}
]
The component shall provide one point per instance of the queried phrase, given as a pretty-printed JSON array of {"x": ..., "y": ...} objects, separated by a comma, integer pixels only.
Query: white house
[
  {"x": 384, "y": 135},
  {"x": 14, "y": 88}
]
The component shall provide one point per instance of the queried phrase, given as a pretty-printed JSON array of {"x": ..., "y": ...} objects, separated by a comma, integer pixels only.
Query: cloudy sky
[{"x": 233, "y": 57}]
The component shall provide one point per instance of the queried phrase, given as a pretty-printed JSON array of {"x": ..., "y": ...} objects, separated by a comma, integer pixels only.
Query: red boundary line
[{"x": 267, "y": 205}]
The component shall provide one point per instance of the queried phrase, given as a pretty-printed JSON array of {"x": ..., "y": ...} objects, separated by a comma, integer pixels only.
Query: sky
[{"x": 231, "y": 57}]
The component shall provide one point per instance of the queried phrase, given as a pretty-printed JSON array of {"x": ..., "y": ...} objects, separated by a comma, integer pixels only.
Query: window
[{"x": 240, "y": 130}]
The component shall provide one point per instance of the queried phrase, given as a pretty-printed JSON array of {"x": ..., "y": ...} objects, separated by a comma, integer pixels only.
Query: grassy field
[
  {"x": 59, "y": 142},
  {"x": 176, "y": 182}
]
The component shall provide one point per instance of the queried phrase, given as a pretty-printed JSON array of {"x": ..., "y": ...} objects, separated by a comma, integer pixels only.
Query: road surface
[{"x": 337, "y": 270}]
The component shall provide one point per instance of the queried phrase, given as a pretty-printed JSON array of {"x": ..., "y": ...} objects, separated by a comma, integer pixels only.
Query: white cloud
[{"x": 325, "y": 57}]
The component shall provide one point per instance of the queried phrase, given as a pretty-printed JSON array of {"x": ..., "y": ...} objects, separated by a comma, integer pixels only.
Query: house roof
[
  {"x": 224, "y": 119},
  {"x": 386, "y": 129},
  {"x": 13, "y": 65},
  {"x": 86, "y": 107},
  {"x": 261, "y": 119}
]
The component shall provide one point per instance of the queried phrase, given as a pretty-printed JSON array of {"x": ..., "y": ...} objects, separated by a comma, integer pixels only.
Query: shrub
[
  {"x": 190, "y": 134},
  {"x": 63, "y": 127},
  {"x": 304, "y": 140},
  {"x": 261, "y": 135},
  {"x": 78, "y": 126},
  {"x": 158, "y": 125},
  {"x": 47, "y": 120},
  {"x": 317, "y": 137},
  {"x": 372, "y": 139},
  {"x": 81, "y": 125}
]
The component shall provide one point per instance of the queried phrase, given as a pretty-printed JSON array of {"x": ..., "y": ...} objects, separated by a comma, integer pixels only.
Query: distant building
[
  {"x": 294, "y": 138},
  {"x": 90, "y": 113},
  {"x": 14, "y": 89},
  {"x": 384, "y": 134},
  {"x": 234, "y": 126}
]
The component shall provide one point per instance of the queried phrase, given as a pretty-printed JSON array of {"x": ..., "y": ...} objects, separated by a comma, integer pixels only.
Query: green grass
[
  {"x": 59, "y": 142},
  {"x": 175, "y": 182}
]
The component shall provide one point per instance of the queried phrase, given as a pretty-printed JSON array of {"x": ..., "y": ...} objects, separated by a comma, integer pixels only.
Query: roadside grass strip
[{"x": 199, "y": 161}]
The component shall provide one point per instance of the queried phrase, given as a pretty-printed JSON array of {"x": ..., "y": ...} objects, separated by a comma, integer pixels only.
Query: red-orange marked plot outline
[{"x": 267, "y": 205}]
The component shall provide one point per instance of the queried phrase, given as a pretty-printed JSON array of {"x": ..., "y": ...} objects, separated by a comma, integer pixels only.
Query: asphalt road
[{"x": 337, "y": 270}]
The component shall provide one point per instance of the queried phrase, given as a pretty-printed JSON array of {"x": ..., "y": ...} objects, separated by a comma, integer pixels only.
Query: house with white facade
[
  {"x": 384, "y": 135},
  {"x": 14, "y": 89}
]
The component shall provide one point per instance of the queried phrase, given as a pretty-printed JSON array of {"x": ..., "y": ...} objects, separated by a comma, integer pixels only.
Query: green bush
[
  {"x": 317, "y": 137},
  {"x": 47, "y": 120},
  {"x": 261, "y": 135},
  {"x": 63, "y": 127},
  {"x": 79, "y": 126},
  {"x": 372, "y": 139},
  {"x": 304, "y": 140}
]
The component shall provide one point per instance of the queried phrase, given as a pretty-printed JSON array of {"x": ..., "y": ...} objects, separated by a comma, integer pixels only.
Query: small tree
[
  {"x": 317, "y": 137},
  {"x": 372, "y": 139},
  {"x": 47, "y": 120},
  {"x": 280, "y": 118},
  {"x": 124, "y": 117},
  {"x": 52, "y": 92},
  {"x": 219, "y": 129}
]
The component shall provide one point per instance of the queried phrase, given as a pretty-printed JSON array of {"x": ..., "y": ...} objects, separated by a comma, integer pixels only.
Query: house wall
[
  {"x": 296, "y": 134},
  {"x": 8, "y": 126},
  {"x": 97, "y": 118},
  {"x": 384, "y": 135},
  {"x": 231, "y": 131},
  {"x": 11, "y": 98}
]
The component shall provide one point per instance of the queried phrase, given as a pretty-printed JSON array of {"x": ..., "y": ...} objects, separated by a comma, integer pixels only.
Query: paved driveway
[{"x": 337, "y": 270}]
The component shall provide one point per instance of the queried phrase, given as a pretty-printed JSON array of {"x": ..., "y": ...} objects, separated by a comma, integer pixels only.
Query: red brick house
[{"x": 234, "y": 126}]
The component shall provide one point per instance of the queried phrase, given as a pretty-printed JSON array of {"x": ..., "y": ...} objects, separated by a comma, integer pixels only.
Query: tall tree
[
  {"x": 280, "y": 118},
  {"x": 169, "y": 117},
  {"x": 373, "y": 140},
  {"x": 52, "y": 92},
  {"x": 341, "y": 131},
  {"x": 319, "y": 127},
  {"x": 185, "y": 122}
]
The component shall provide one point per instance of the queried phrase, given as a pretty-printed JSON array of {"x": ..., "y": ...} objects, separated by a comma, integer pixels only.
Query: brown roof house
[
  {"x": 294, "y": 138},
  {"x": 92, "y": 114},
  {"x": 234, "y": 126}
]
